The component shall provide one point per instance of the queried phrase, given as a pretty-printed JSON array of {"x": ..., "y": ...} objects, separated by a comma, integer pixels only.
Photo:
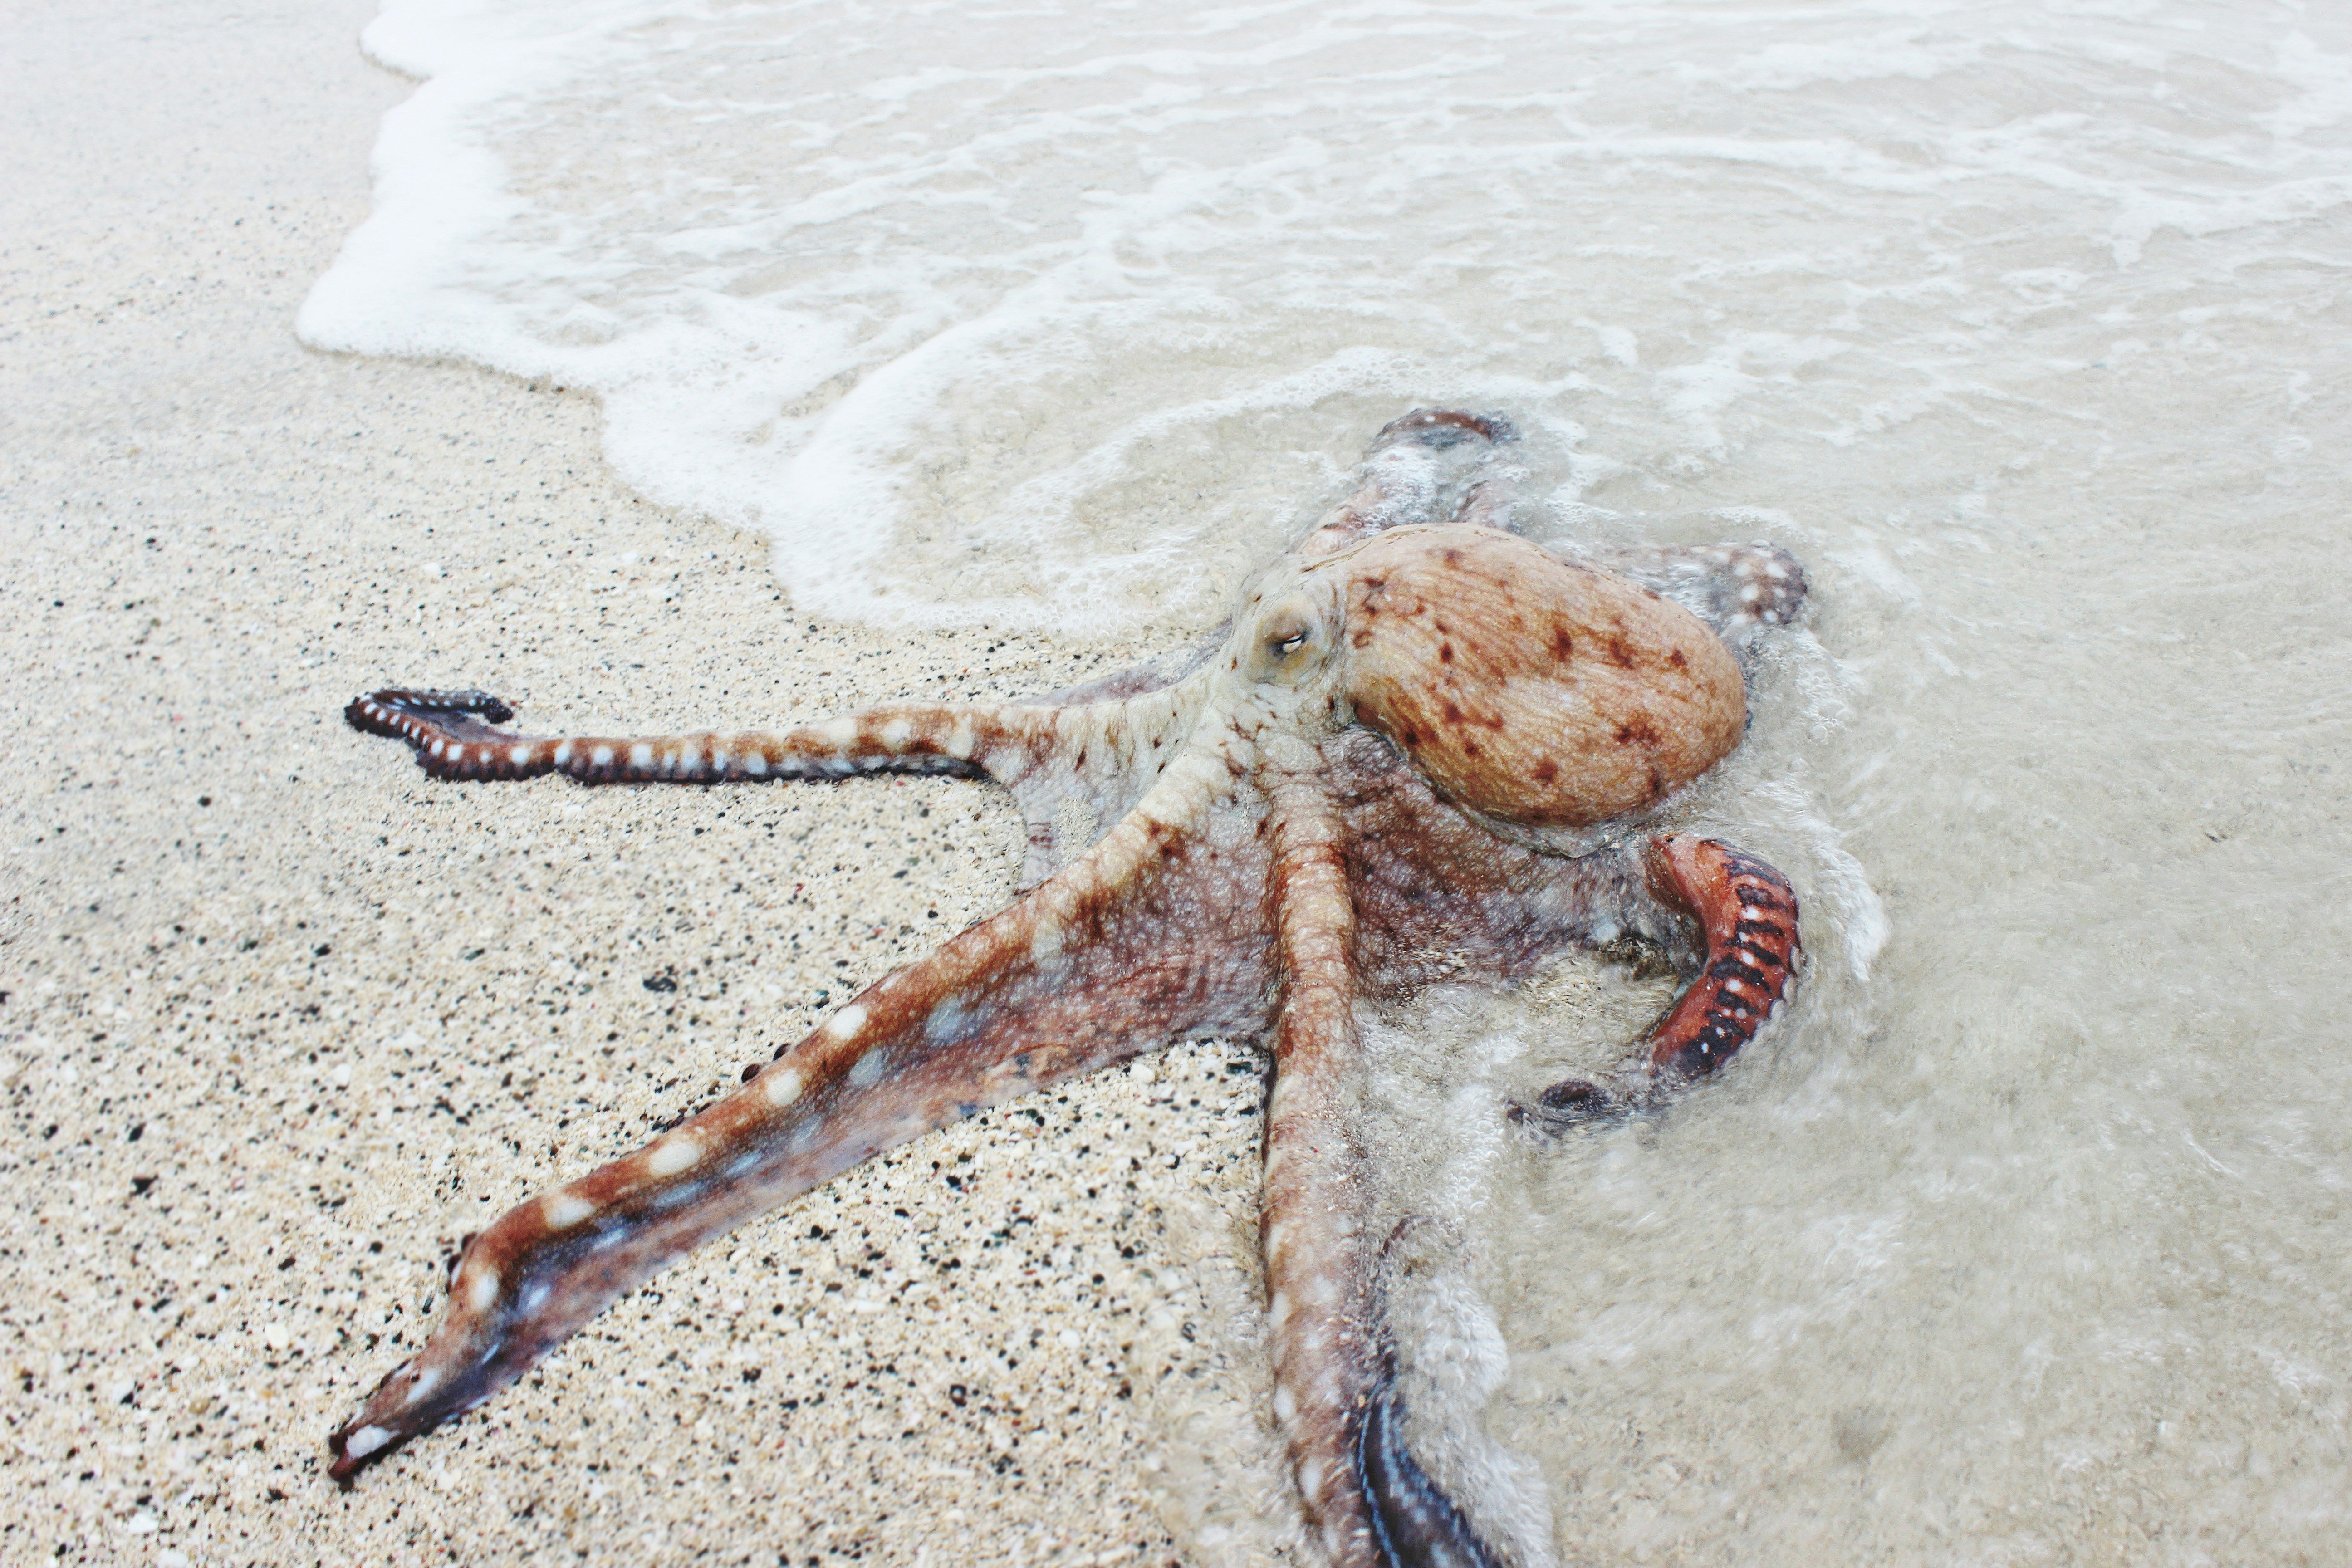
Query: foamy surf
[{"x": 1034, "y": 315}]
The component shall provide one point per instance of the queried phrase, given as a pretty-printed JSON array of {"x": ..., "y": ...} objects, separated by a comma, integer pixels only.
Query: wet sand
[{"x": 282, "y": 1018}]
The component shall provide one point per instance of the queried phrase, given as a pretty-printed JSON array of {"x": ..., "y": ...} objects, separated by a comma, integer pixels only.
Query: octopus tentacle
[
  {"x": 1099, "y": 759},
  {"x": 1363, "y": 1492},
  {"x": 1747, "y": 916},
  {"x": 1486, "y": 503},
  {"x": 1415, "y": 1523},
  {"x": 1492, "y": 484},
  {"x": 1315, "y": 1209},
  {"x": 1103, "y": 754},
  {"x": 1402, "y": 467},
  {"x": 1740, "y": 591},
  {"x": 453, "y": 736},
  {"x": 1065, "y": 980},
  {"x": 1152, "y": 675},
  {"x": 1444, "y": 428},
  {"x": 1747, "y": 912}
]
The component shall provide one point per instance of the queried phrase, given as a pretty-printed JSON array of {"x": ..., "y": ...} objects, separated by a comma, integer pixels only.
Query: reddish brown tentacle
[
  {"x": 1486, "y": 503},
  {"x": 1068, "y": 980},
  {"x": 1747, "y": 913},
  {"x": 453, "y": 738},
  {"x": 1365, "y": 1497},
  {"x": 419, "y": 716},
  {"x": 1311, "y": 1221}
]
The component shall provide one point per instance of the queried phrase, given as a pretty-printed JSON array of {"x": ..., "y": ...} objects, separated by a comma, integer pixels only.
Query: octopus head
[{"x": 1523, "y": 685}]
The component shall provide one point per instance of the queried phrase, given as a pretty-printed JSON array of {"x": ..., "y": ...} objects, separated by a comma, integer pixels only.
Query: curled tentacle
[
  {"x": 1747, "y": 916},
  {"x": 1747, "y": 912},
  {"x": 1068, "y": 980}
]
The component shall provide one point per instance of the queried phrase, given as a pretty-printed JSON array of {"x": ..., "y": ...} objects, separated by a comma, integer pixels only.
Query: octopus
[{"x": 1422, "y": 742}]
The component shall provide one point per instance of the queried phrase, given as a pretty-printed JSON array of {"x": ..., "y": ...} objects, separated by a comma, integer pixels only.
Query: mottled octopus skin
[{"x": 1353, "y": 792}]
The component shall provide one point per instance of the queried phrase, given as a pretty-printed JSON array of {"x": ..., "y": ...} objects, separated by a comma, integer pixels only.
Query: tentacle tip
[
  {"x": 1679, "y": 1067},
  {"x": 1572, "y": 1103},
  {"x": 359, "y": 1445},
  {"x": 1413, "y": 1523},
  {"x": 367, "y": 711},
  {"x": 1498, "y": 426}
]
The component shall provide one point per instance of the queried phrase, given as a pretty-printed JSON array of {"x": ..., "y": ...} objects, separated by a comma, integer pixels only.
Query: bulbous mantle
[{"x": 1530, "y": 687}]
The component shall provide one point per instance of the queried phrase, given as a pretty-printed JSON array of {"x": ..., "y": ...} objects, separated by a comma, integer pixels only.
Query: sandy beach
[{"x": 282, "y": 1018}]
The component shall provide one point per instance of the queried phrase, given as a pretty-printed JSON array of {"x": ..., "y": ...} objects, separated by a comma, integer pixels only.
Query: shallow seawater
[{"x": 2027, "y": 328}]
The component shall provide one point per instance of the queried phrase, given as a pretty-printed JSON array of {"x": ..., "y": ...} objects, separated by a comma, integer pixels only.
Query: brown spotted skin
[
  {"x": 1284, "y": 822},
  {"x": 1542, "y": 690}
]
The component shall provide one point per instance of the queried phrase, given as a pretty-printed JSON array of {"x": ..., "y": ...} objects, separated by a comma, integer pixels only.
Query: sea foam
[{"x": 1059, "y": 315}]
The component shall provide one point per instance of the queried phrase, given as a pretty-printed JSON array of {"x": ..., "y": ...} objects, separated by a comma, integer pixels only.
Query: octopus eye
[{"x": 1289, "y": 637}]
